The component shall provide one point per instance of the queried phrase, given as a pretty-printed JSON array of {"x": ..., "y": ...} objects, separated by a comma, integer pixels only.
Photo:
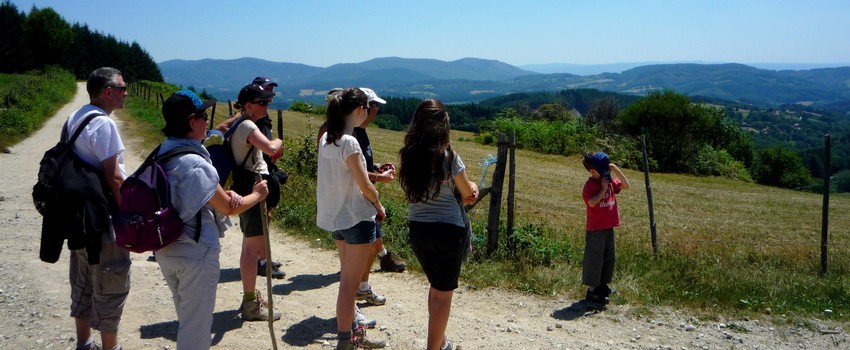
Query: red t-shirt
[{"x": 605, "y": 214}]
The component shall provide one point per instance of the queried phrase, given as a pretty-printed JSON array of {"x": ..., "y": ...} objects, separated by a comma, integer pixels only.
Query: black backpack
[
  {"x": 58, "y": 167},
  {"x": 221, "y": 153}
]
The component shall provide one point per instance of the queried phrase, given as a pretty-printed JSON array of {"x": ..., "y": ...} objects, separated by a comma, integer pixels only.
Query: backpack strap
[
  {"x": 233, "y": 128},
  {"x": 230, "y": 133},
  {"x": 80, "y": 128},
  {"x": 176, "y": 152}
]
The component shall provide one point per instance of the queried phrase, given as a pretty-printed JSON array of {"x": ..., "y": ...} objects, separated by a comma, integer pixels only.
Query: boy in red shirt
[{"x": 602, "y": 216}]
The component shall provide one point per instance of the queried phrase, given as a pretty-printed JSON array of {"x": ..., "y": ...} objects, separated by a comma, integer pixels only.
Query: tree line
[
  {"x": 41, "y": 38},
  {"x": 683, "y": 135}
]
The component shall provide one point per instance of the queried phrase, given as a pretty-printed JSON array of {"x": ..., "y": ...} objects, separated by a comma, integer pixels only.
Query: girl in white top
[{"x": 348, "y": 205}]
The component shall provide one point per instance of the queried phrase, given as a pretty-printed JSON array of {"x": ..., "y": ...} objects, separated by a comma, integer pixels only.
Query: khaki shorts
[
  {"x": 98, "y": 292},
  {"x": 250, "y": 222}
]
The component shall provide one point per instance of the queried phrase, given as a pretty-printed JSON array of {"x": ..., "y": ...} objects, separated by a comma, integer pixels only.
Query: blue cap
[{"x": 600, "y": 161}]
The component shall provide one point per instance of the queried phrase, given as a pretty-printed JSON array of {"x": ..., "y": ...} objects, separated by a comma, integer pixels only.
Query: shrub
[
  {"x": 780, "y": 167},
  {"x": 709, "y": 161},
  {"x": 389, "y": 122},
  {"x": 32, "y": 100}
]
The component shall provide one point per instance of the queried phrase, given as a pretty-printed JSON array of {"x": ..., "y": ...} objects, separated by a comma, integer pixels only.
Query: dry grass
[{"x": 721, "y": 242}]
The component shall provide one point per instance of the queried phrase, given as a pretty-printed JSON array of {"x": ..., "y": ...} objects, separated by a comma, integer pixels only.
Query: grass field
[
  {"x": 723, "y": 245},
  {"x": 27, "y": 100}
]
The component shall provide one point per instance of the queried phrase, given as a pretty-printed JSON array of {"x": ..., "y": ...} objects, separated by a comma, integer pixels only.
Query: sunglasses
[
  {"x": 261, "y": 102},
  {"x": 122, "y": 88},
  {"x": 368, "y": 109},
  {"x": 203, "y": 116}
]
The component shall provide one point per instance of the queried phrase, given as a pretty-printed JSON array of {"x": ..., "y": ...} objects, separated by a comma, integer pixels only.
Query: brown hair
[
  {"x": 341, "y": 106},
  {"x": 426, "y": 146}
]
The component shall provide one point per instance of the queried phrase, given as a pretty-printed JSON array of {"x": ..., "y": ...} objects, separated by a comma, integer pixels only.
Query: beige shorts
[{"x": 98, "y": 292}]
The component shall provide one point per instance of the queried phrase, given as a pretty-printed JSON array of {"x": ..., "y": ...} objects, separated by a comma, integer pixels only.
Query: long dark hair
[
  {"x": 424, "y": 153},
  {"x": 339, "y": 107}
]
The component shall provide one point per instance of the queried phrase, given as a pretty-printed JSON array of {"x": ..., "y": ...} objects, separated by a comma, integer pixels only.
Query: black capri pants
[{"x": 440, "y": 248}]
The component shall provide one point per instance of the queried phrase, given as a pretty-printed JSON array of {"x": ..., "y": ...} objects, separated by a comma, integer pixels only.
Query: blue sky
[{"x": 322, "y": 33}]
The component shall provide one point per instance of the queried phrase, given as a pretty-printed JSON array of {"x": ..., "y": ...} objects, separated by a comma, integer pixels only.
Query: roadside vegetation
[{"x": 29, "y": 99}]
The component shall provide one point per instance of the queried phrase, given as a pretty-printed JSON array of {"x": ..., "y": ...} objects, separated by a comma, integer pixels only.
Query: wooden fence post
[
  {"x": 280, "y": 124},
  {"x": 824, "y": 229},
  {"x": 652, "y": 228},
  {"x": 496, "y": 196},
  {"x": 511, "y": 186},
  {"x": 212, "y": 116}
]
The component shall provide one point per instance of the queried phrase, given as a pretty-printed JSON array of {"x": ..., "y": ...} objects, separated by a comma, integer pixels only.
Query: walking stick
[{"x": 265, "y": 221}]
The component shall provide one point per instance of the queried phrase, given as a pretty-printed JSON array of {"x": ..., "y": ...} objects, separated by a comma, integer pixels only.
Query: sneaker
[
  {"x": 449, "y": 345},
  {"x": 607, "y": 290},
  {"x": 361, "y": 319},
  {"x": 390, "y": 263},
  {"x": 152, "y": 258},
  {"x": 256, "y": 310},
  {"x": 370, "y": 297},
  {"x": 94, "y": 346},
  {"x": 276, "y": 272},
  {"x": 596, "y": 297}
]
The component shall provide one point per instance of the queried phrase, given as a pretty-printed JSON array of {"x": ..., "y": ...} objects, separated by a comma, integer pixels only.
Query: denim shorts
[{"x": 361, "y": 233}]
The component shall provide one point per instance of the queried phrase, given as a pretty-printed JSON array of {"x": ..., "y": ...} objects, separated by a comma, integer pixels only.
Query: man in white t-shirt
[{"x": 99, "y": 287}]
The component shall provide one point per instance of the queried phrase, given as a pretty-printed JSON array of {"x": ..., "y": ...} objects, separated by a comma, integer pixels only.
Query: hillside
[{"x": 473, "y": 79}]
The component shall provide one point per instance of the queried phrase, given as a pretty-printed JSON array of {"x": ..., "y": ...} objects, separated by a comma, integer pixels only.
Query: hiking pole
[{"x": 264, "y": 219}]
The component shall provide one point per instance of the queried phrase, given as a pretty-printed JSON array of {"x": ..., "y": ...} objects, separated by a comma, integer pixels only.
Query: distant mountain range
[{"x": 473, "y": 79}]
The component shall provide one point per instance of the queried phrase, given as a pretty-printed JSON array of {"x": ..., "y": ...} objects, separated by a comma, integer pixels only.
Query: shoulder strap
[
  {"x": 80, "y": 128},
  {"x": 230, "y": 133},
  {"x": 233, "y": 128},
  {"x": 176, "y": 152}
]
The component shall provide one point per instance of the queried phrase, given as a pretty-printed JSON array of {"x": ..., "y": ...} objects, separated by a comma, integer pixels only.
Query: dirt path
[{"x": 34, "y": 297}]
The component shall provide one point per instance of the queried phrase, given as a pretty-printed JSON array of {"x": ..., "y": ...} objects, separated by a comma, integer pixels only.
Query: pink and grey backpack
[{"x": 146, "y": 220}]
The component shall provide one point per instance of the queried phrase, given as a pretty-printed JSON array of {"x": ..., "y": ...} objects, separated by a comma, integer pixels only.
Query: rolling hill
[{"x": 474, "y": 79}]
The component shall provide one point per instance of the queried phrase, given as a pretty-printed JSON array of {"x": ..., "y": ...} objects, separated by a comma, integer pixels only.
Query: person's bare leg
[
  {"x": 355, "y": 257},
  {"x": 340, "y": 247},
  {"x": 439, "y": 309},
  {"x": 109, "y": 340},
  {"x": 83, "y": 328},
  {"x": 377, "y": 246},
  {"x": 251, "y": 247}
]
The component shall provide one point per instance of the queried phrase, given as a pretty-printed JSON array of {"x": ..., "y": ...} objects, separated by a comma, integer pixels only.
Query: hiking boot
[
  {"x": 390, "y": 263},
  {"x": 256, "y": 310},
  {"x": 361, "y": 319},
  {"x": 276, "y": 272},
  {"x": 367, "y": 343},
  {"x": 370, "y": 297},
  {"x": 359, "y": 339},
  {"x": 344, "y": 344}
]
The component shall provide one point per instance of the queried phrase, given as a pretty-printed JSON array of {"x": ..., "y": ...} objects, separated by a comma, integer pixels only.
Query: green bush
[
  {"x": 389, "y": 122},
  {"x": 31, "y": 100},
  {"x": 780, "y": 167},
  {"x": 553, "y": 137},
  {"x": 709, "y": 161}
]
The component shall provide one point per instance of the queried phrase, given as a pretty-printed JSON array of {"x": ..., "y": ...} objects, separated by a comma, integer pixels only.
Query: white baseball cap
[{"x": 372, "y": 95}]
